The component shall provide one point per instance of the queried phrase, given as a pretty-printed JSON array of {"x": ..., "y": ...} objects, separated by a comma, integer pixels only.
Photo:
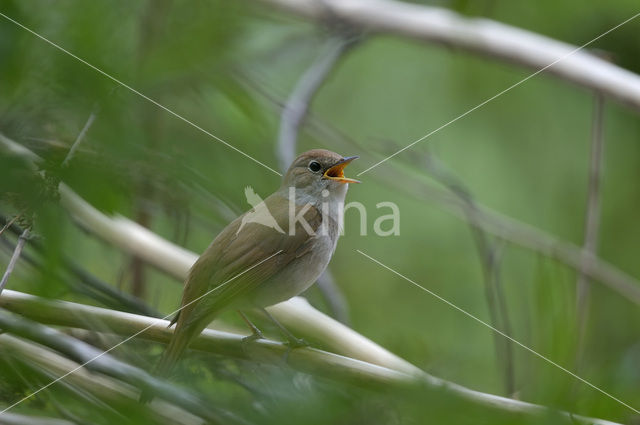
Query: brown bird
[{"x": 253, "y": 264}]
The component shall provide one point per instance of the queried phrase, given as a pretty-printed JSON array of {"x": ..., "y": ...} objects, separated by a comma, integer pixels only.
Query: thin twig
[
  {"x": 25, "y": 234},
  {"x": 83, "y": 132},
  {"x": 9, "y": 223},
  {"x": 509, "y": 367},
  {"x": 489, "y": 258},
  {"x": 22, "y": 239},
  {"x": 90, "y": 284},
  {"x": 592, "y": 221}
]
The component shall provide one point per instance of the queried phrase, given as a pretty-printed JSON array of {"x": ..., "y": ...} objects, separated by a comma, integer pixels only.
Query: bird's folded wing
[{"x": 237, "y": 262}]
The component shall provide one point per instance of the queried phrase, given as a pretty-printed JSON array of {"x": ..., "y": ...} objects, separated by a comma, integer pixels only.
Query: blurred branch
[
  {"x": 90, "y": 284},
  {"x": 100, "y": 361},
  {"x": 308, "y": 360},
  {"x": 83, "y": 132},
  {"x": 491, "y": 221},
  {"x": 334, "y": 297},
  {"x": 150, "y": 24},
  {"x": 478, "y": 35},
  {"x": 94, "y": 383},
  {"x": 297, "y": 105},
  {"x": 592, "y": 219},
  {"x": 8, "y": 223},
  {"x": 525, "y": 235},
  {"x": 14, "y": 419},
  {"x": 22, "y": 239},
  {"x": 293, "y": 114},
  {"x": 489, "y": 258}
]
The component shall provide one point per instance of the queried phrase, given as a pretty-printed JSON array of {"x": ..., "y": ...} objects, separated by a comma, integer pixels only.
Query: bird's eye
[{"x": 315, "y": 166}]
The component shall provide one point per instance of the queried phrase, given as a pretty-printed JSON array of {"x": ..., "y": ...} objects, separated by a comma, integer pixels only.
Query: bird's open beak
[{"x": 336, "y": 172}]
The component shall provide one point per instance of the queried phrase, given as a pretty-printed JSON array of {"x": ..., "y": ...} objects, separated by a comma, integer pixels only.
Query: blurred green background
[{"x": 228, "y": 67}]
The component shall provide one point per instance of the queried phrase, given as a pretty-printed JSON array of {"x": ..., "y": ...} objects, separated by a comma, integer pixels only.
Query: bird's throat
[{"x": 329, "y": 201}]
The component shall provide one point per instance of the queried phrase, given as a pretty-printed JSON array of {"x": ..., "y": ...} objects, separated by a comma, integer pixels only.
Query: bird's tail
[{"x": 178, "y": 344}]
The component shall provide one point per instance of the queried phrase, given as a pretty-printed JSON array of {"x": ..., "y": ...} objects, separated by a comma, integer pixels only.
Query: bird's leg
[
  {"x": 255, "y": 332},
  {"x": 292, "y": 341}
]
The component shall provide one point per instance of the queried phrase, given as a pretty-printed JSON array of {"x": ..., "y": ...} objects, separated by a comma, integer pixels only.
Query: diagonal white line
[
  {"x": 134, "y": 335},
  {"x": 531, "y": 350},
  {"x": 577, "y": 49},
  {"x": 175, "y": 114}
]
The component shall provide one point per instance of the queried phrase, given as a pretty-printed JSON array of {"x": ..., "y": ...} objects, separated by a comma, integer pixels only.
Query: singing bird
[{"x": 258, "y": 265}]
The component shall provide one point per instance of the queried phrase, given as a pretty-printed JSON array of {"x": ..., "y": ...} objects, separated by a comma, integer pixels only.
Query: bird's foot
[
  {"x": 293, "y": 342},
  {"x": 256, "y": 335},
  {"x": 245, "y": 343}
]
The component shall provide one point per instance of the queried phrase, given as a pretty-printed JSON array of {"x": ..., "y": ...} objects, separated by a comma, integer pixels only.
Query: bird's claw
[
  {"x": 294, "y": 342},
  {"x": 256, "y": 335}
]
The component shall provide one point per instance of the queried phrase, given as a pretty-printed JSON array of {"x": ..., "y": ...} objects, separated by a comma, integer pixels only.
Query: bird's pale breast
[{"x": 302, "y": 272}]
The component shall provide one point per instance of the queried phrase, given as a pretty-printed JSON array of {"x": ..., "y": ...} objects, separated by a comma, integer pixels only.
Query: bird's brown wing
[
  {"x": 237, "y": 262},
  {"x": 233, "y": 266}
]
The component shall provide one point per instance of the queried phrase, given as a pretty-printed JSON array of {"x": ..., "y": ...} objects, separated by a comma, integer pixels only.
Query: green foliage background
[{"x": 227, "y": 67}]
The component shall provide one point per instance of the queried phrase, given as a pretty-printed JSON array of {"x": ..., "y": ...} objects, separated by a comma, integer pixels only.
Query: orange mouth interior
[{"x": 336, "y": 172}]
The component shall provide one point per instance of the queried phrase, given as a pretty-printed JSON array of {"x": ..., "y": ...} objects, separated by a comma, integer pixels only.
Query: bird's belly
[{"x": 297, "y": 276}]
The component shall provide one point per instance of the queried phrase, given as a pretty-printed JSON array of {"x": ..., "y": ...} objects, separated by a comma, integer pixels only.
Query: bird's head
[{"x": 317, "y": 170}]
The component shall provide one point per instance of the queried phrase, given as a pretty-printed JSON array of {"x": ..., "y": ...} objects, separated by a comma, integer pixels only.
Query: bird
[{"x": 250, "y": 265}]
